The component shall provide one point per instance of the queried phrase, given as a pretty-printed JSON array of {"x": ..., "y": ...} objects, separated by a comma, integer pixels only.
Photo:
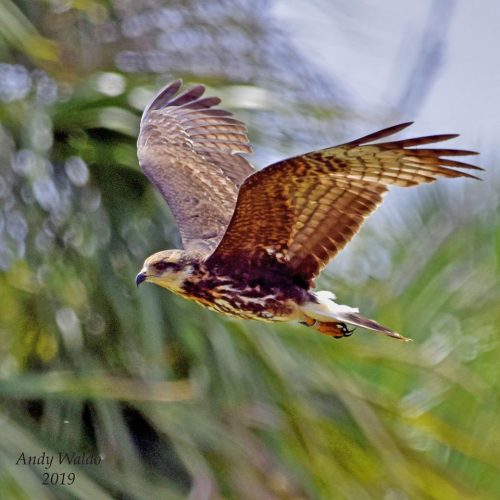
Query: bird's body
[
  {"x": 255, "y": 240},
  {"x": 266, "y": 296}
]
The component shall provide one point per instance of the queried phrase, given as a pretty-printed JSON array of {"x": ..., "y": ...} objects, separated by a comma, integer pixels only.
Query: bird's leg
[{"x": 334, "y": 329}]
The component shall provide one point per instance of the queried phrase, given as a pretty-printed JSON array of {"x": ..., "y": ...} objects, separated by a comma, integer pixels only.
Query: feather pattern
[
  {"x": 190, "y": 151},
  {"x": 302, "y": 211}
]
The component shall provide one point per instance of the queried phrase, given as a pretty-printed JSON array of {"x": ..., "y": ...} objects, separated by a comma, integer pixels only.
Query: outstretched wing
[
  {"x": 190, "y": 152},
  {"x": 302, "y": 211}
]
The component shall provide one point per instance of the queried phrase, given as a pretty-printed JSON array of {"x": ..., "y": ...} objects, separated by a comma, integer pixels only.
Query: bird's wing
[
  {"x": 301, "y": 211},
  {"x": 190, "y": 151}
]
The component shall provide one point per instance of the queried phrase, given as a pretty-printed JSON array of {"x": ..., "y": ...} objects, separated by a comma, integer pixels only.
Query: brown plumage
[
  {"x": 189, "y": 151},
  {"x": 257, "y": 239}
]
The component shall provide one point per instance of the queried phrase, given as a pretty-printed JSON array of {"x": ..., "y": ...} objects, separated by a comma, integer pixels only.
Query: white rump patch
[{"x": 326, "y": 308}]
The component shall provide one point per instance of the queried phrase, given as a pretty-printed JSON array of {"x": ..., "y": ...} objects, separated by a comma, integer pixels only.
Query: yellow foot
[{"x": 335, "y": 329}]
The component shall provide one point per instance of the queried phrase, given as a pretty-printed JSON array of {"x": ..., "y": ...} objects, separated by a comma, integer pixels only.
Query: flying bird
[{"x": 255, "y": 240}]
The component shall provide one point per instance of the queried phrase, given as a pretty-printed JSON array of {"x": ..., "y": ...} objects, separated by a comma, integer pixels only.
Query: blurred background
[{"x": 180, "y": 402}]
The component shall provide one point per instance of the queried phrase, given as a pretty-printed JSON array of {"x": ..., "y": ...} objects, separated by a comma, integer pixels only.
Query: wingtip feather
[
  {"x": 165, "y": 94},
  {"x": 379, "y": 134}
]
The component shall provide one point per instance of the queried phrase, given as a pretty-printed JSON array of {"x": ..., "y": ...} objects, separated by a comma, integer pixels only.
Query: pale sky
[{"x": 365, "y": 45}]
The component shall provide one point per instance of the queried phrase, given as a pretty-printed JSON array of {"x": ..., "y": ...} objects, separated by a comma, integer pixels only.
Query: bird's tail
[{"x": 328, "y": 317}]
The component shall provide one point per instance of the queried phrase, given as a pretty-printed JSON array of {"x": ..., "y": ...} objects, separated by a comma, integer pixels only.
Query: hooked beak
[{"x": 140, "y": 278}]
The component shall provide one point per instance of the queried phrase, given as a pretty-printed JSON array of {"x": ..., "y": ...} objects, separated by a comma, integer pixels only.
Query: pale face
[{"x": 167, "y": 269}]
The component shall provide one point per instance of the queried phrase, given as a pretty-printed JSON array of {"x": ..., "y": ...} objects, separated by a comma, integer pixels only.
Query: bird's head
[{"x": 168, "y": 269}]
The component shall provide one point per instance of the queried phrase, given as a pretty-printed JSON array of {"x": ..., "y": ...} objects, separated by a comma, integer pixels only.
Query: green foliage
[{"x": 178, "y": 400}]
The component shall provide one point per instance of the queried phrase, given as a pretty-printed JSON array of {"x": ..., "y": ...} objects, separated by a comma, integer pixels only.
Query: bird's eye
[{"x": 161, "y": 266}]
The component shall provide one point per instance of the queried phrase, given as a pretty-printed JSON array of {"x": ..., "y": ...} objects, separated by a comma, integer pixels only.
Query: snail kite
[{"x": 254, "y": 241}]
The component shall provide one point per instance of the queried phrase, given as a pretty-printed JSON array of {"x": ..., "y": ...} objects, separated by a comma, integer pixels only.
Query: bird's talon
[
  {"x": 348, "y": 333},
  {"x": 336, "y": 330}
]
